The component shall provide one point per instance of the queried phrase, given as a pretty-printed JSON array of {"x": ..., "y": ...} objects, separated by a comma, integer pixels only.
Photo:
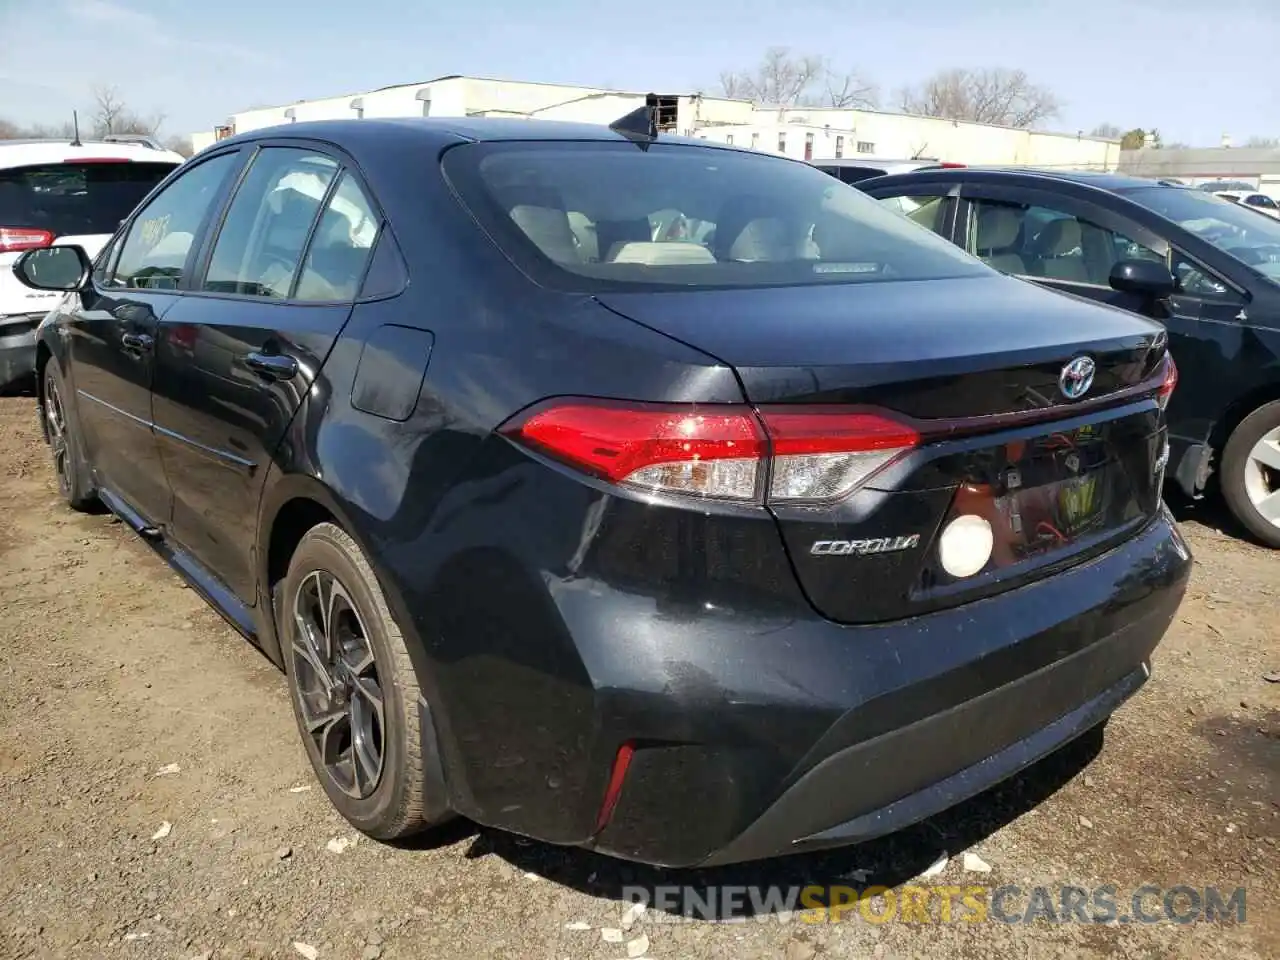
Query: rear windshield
[
  {"x": 71, "y": 199},
  {"x": 613, "y": 216}
]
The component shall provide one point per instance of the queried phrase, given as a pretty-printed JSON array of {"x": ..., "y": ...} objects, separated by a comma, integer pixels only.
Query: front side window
[
  {"x": 259, "y": 248},
  {"x": 341, "y": 246},
  {"x": 1249, "y": 238},
  {"x": 76, "y": 199},
  {"x": 1037, "y": 241},
  {"x": 606, "y": 216},
  {"x": 154, "y": 254}
]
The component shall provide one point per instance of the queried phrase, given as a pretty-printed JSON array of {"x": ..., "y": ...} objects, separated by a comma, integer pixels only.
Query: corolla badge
[{"x": 1077, "y": 377}]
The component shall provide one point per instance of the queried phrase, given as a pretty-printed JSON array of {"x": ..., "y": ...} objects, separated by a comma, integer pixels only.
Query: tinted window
[
  {"x": 260, "y": 244},
  {"x": 68, "y": 199},
  {"x": 340, "y": 249},
  {"x": 1244, "y": 234},
  {"x": 1261, "y": 200},
  {"x": 154, "y": 254},
  {"x": 582, "y": 216},
  {"x": 1039, "y": 241}
]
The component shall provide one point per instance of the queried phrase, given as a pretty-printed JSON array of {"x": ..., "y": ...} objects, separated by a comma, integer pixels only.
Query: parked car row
[
  {"x": 1206, "y": 269},
  {"x": 644, "y": 495},
  {"x": 62, "y": 192}
]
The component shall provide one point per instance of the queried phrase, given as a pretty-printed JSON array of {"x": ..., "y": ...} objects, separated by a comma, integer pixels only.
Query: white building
[
  {"x": 457, "y": 96},
  {"x": 812, "y": 133}
]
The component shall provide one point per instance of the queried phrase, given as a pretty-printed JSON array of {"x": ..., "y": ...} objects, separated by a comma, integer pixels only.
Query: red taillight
[
  {"x": 1169, "y": 382},
  {"x": 951, "y": 166},
  {"x": 15, "y": 239},
  {"x": 719, "y": 451},
  {"x": 708, "y": 451},
  {"x": 617, "y": 776}
]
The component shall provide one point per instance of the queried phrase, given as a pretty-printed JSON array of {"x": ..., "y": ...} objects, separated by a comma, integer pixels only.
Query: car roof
[
  {"x": 439, "y": 131},
  {"x": 25, "y": 153}
]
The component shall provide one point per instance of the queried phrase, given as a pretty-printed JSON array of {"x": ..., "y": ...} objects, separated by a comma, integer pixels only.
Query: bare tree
[
  {"x": 1108, "y": 131},
  {"x": 849, "y": 89},
  {"x": 112, "y": 115},
  {"x": 1263, "y": 143},
  {"x": 180, "y": 144},
  {"x": 9, "y": 131},
  {"x": 108, "y": 110},
  {"x": 780, "y": 79},
  {"x": 993, "y": 95}
]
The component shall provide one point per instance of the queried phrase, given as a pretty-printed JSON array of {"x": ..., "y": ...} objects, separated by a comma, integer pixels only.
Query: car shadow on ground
[
  {"x": 888, "y": 861},
  {"x": 1209, "y": 511}
]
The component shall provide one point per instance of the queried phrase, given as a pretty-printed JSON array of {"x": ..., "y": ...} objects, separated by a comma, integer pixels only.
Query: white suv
[{"x": 54, "y": 192}]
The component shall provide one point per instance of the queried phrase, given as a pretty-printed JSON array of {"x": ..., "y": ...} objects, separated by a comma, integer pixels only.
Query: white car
[
  {"x": 59, "y": 192},
  {"x": 1252, "y": 199}
]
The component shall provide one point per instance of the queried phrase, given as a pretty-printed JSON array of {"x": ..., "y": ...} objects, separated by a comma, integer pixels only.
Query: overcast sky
[{"x": 1194, "y": 70}]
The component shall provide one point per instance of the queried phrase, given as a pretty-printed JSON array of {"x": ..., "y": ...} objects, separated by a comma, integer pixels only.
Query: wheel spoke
[
  {"x": 369, "y": 692},
  {"x": 1269, "y": 506},
  {"x": 302, "y": 647},
  {"x": 1267, "y": 453},
  {"x": 358, "y": 659},
  {"x": 327, "y": 730}
]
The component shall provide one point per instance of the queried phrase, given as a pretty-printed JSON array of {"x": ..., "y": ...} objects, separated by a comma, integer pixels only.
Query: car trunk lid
[{"x": 981, "y": 372}]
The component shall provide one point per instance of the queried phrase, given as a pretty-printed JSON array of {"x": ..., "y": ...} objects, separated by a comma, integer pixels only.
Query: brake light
[
  {"x": 15, "y": 239},
  {"x": 721, "y": 452},
  {"x": 1169, "y": 382}
]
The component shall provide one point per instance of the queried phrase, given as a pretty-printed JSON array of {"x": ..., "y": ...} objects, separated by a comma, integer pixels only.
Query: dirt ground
[{"x": 127, "y": 705}]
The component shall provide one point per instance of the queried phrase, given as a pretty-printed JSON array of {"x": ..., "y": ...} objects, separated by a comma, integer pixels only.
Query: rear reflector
[
  {"x": 722, "y": 452},
  {"x": 617, "y": 777},
  {"x": 15, "y": 239}
]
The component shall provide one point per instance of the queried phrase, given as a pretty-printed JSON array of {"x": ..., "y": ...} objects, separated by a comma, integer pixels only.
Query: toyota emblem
[{"x": 1077, "y": 377}]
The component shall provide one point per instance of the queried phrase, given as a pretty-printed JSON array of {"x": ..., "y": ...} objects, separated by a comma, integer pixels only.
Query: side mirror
[
  {"x": 53, "y": 268},
  {"x": 1147, "y": 277}
]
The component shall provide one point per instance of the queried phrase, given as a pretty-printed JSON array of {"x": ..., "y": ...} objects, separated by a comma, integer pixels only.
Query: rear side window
[
  {"x": 74, "y": 199},
  {"x": 612, "y": 216},
  {"x": 259, "y": 248},
  {"x": 341, "y": 247}
]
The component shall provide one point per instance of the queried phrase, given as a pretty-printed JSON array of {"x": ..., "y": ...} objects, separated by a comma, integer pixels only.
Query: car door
[
  {"x": 113, "y": 327},
  {"x": 1058, "y": 241},
  {"x": 236, "y": 356}
]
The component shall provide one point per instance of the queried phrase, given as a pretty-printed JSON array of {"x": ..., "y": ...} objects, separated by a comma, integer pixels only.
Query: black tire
[
  {"x": 75, "y": 482},
  {"x": 1237, "y": 474},
  {"x": 395, "y": 804}
]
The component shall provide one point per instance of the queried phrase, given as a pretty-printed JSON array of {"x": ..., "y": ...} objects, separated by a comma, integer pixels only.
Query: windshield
[
  {"x": 609, "y": 216},
  {"x": 76, "y": 198},
  {"x": 1248, "y": 236}
]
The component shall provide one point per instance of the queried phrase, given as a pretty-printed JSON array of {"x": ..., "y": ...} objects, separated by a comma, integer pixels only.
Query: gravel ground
[{"x": 155, "y": 801}]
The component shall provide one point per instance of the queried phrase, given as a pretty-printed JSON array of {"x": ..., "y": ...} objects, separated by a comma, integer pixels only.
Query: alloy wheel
[
  {"x": 1262, "y": 476},
  {"x": 337, "y": 683},
  {"x": 55, "y": 417}
]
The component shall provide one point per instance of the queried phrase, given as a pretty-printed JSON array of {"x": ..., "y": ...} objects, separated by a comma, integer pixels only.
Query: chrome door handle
[
  {"x": 274, "y": 366},
  {"x": 136, "y": 341}
]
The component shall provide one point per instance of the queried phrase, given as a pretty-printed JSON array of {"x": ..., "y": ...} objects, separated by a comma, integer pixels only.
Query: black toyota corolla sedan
[
  {"x": 1207, "y": 269},
  {"x": 663, "y": 499}
]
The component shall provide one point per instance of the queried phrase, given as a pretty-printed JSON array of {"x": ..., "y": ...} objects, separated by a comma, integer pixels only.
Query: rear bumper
[
  {"x": 17, "y": 348},
  {"x": 904, "y": 720}
]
